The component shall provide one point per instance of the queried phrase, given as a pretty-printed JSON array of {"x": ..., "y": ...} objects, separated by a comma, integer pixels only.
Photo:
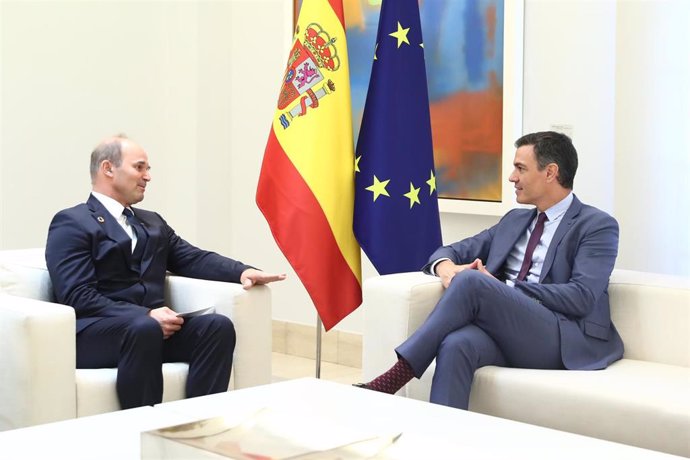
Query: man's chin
[{"x": 522, "y": 200}]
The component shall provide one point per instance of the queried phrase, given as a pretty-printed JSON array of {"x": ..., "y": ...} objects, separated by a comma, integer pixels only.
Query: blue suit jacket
[
  {"x": 573, "y": 282},
  {"x": 89, "y": 258}
]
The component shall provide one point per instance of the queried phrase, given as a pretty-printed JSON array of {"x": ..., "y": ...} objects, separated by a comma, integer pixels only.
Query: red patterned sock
[{"x": 392, "y": 380}]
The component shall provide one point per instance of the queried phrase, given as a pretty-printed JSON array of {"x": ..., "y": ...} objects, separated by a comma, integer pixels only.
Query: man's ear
[
  {"x": 551, "y": 172},
  {"x": 107, "y": 168}
]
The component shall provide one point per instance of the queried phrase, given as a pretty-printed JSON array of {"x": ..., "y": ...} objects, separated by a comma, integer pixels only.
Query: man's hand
[
  {"x": 168, "y": 319},
  {"x": 447, "y": 270},
  {"x": 481, "y": 268},
  {"x": 252, "y": 276}
]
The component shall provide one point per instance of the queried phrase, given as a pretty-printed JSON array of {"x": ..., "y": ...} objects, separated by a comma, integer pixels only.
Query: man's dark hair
[{"x": 553, "y": 147}]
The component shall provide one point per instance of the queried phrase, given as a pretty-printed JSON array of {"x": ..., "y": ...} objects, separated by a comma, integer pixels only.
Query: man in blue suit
[
  {"x": 529, "y": 292},
  {"x": 109, "y": 261}
]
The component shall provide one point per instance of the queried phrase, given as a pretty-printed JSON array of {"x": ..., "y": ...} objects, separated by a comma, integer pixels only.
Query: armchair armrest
[
  {"x": 394, "y": 307},
  {"x": 249, "y": 310},
  {"x": 37, "y": 363}
]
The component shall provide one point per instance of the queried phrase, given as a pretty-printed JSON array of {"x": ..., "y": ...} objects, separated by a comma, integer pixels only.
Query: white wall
[
  {"x": 569, "y": 79},
  {"x": 196, "y": 84},
  {"x": 74, "y": 72},
  {"x": 653, "y": 135}
]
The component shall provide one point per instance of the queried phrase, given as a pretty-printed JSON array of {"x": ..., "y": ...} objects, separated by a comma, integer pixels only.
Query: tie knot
[
  {"x": 130, "y": 217},
  {"x": 541, "y": 218}
]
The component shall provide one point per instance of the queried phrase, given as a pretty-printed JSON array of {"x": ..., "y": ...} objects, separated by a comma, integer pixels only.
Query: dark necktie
[
  {"x": 137, "y": 228},
  {"x": 531, "y": 245}
]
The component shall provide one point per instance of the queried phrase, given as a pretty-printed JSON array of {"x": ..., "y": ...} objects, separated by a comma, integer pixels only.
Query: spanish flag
[{"x": 306, "y": 185}]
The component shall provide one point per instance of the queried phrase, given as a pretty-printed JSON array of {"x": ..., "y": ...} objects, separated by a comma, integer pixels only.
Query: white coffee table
[
  {"x": 322, "y": 414},
  {"x": 326, "y": 414},
  {"x": 113, "y": 436}
]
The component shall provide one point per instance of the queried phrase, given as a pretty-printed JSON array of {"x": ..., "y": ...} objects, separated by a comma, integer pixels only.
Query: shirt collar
[
  {"x": 556, "y": 211},
  {"x": 113, "y": 206}
]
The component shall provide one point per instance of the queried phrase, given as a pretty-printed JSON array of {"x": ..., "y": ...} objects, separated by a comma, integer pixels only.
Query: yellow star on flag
[
  {"x": 357, "y": 163},
  {"x": 401, "y": 35},
  {"x": 431, "y": 182},
  {"x": 413, "y": 195},
  {"x": 378, "y": 187}
]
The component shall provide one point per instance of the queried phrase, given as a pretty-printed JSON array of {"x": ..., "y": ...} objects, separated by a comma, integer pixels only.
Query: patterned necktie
[{"x": 531, "y": 245}]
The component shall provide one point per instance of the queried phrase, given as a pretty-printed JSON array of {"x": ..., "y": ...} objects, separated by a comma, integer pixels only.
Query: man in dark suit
[
  {"x": 109, "y": 261},
  {"x": 529, "y": 292}
]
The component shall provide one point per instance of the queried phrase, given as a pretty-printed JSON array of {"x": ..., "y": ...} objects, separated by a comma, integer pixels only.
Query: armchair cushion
[{"x": 23, "y": 273}]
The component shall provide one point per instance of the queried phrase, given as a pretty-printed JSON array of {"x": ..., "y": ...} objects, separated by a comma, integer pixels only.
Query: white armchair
[{"x": 38, "y": 379}]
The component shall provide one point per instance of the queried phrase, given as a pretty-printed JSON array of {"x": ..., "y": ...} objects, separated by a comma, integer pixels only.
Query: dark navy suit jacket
[
  {"x": 573, "y": 282},
  {"x": 89, "y": 258}
]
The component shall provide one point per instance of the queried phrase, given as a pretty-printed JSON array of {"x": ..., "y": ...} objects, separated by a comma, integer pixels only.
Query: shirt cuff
[{"x": 432, "y": 269}]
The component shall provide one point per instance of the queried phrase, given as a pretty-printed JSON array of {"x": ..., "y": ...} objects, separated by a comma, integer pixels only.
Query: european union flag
[{"x": 396, "y": 208}]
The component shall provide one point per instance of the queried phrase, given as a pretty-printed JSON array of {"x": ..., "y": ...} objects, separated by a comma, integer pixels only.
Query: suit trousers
[
  {"x": 480, "y": 321},
  {"x": 135, "y": 345}
]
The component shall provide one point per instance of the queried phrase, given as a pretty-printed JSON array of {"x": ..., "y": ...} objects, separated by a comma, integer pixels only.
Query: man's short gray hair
[{"x": 111, "y": 150}]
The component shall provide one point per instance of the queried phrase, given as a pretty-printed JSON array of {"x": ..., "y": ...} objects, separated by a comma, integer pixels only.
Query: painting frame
[{"x": 513, "y": 43}]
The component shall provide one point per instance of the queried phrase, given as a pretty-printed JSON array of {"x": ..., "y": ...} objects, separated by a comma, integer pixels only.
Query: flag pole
[{"x": 318, "y": 346}]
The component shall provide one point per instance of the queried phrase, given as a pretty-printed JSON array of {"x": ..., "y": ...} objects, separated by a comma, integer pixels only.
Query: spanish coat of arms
[{"x": 303, "y": 84}]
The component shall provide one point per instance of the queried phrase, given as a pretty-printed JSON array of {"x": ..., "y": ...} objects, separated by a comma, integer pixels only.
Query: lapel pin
[{"x": 100, "y": 219}]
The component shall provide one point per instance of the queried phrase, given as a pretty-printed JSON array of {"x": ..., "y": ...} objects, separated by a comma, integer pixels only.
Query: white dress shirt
[{"x": 116, "y": 209}]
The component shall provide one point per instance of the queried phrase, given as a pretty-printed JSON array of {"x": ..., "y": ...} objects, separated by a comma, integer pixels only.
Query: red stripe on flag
[
  {"x": 337, "y": 6},
  {"x": 303, "y": 234}
]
